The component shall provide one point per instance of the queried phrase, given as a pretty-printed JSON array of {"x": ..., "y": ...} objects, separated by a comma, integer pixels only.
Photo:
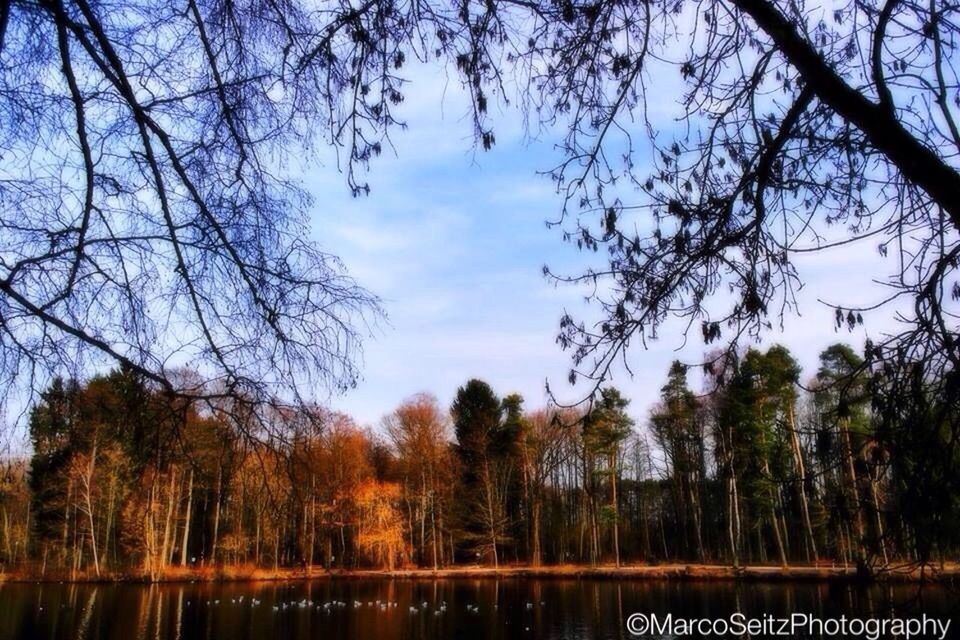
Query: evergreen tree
[
  {"x": 51, "y": 428},
  {"x": 678, "y": 428},
  {"x": 484, "y": 457},
  {"x": 605, "y": 428},
  {"x": 843, "y": 434},
  {"x": 917, "y": 418},
  {"x": 517, "y": 493},
  {"x": 750, "y": 411}
]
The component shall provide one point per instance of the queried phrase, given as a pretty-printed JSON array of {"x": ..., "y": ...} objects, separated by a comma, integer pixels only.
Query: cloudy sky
[{"x": 454, "y": 240}]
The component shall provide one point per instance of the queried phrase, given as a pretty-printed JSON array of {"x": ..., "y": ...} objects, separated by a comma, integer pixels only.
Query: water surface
[{"x": 397, "y": 609}]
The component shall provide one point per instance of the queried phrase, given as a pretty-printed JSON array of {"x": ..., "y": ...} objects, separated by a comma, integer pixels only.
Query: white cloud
[{"x": 453, "y": 240}]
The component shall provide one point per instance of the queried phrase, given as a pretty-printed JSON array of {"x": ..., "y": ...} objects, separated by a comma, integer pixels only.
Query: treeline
[{"x": 752, "y": 468}]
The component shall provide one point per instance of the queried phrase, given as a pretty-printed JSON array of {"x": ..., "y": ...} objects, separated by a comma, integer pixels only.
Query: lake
[{"x": 444, "y": 608}]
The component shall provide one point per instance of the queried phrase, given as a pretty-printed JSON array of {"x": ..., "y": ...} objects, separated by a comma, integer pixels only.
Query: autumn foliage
[
  {"x": 379, "y": 524},
  {"x": 124, "y": 480}
]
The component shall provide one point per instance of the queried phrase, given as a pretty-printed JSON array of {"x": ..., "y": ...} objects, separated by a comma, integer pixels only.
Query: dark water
[{"x": 481, "y": 608}]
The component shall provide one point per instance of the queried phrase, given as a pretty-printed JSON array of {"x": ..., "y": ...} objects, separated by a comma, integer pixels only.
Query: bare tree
[
  {"x": 772, "y": 130},
  {"x": 540, "y": 451},
  {"x": 147, "y": 215},
  {"x": 419, "y": 431}
]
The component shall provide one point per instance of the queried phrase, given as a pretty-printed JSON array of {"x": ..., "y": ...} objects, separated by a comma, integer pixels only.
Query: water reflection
[{"x": 400, "y": 609}]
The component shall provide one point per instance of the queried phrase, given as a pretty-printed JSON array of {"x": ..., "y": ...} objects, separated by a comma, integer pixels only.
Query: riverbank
[{"x": 947, "y": 573}]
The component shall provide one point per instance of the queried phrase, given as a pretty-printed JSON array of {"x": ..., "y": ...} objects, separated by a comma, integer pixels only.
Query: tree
[
  {"x": 803, "y": 127},
  {"x": 863, "y": 473},
  {"x": 14, "y": 512},
  {"x": 51, "y": 423},
  {"x": 140, "y": 185},
  {"x": 719, "y": 373},
  {"x": 380, "y": 527},
  {"x": 605, "y": 428},
  {"x": 343, "y": 467},
  {"x": 81, "y": 473},
  {"x": 418, "y": 431},
  {"x": 541, "y": 445},
  {"x": 782, "y": 374},
  {"x": 677, "y": 426},
  {"x": 750, "y": 443},
  {"x": 482, "y": 447},
  {"x": 913, "y": 445},
  {"x": 843, "y": 397}
]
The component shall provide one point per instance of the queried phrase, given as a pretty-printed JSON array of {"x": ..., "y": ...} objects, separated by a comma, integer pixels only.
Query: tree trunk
[
  {"x": 875, "y": 499},
  {"x": 423, "y": 518},
  {"x": 811, "y": 545},
  {"x": 186, "y": 521},
  {"x": 6, "y": 535},
  {"x": 536, "y": 553},
  {"x": 150, "y": 532},
  {"x": 313, "y": 520},
  {"x": 853, "y": 493},
  {"x": 108, "y": 529},
  {"x": 616, "y": 509},
  {"x": 65, "y": 540},
  {"x": 87, "y": 491},
  {"x": 697, "y": 529},
  {"x": 256, "y": 539},
  {"x": 731, "y": 533},
  {"x": 440, "y": 531},
  {"x": 216, "y": 517},
  {"x": 165, "y": 551},
  {"x": 775, "y": 519},
  {"x": 491, "y": 514},
  {"x": 433, "y": 528}
]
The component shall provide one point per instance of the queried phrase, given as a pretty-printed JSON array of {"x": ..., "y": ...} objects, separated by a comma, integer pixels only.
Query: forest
[
  {"x": 762, "y": 465},
  {"x": 153, "y": 210}
]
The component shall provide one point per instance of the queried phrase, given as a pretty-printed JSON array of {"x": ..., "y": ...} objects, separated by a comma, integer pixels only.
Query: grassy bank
[{"x": 800, "y": 573}]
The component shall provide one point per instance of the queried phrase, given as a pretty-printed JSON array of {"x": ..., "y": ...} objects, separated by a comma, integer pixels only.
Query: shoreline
[{"x": 666, "y": 572}]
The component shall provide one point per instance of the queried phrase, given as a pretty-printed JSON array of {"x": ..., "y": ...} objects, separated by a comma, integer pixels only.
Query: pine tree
[
  {"x": 604, "y": 430},
  {"x": 477, "y": 414}
]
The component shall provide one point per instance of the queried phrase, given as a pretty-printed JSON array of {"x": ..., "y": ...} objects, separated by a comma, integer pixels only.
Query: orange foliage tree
[{"x": 380, "y": 523}]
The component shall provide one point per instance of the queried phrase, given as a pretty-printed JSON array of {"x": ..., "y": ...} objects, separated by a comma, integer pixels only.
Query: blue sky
[{"x": 454, "y": 240}]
